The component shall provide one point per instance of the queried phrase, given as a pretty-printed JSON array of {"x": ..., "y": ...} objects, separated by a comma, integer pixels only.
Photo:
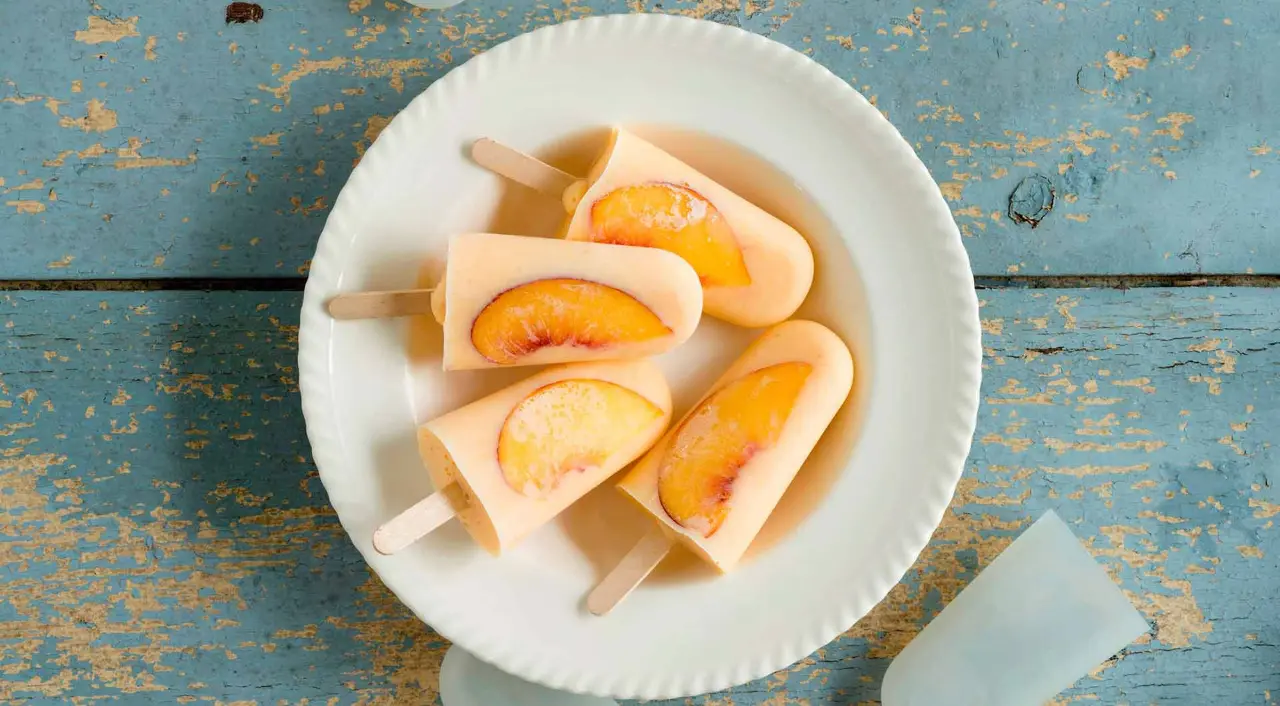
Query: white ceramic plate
[{"x": 893, "y": 280}]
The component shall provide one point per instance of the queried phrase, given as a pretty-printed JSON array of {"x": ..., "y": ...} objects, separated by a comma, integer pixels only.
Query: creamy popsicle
[
  {"x": 715, "y": 477},
  {"x": 509, "y": 462},
  {"x": 510, "y": 300},
  {"x": 755, "y": 269}
]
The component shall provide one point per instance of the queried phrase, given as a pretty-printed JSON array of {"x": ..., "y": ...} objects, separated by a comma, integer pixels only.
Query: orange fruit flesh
[
  {"x": 566, "y": 427},
  {"x": 676, "y": 219},
  {"x": 715, "y": 442},
  {"x": 561, "y": 312}
]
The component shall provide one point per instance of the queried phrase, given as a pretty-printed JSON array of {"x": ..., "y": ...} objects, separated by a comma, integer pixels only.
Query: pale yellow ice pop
[
  {"x": 509, "y": 462},
  {"x": 714, "y": 478},
  {"x": 509, "y": 300}
]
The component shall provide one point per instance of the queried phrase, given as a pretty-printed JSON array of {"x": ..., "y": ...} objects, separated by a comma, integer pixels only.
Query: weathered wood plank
[
  {"x": 154, "y": 139},
  {"x": 163, "y": 537}
]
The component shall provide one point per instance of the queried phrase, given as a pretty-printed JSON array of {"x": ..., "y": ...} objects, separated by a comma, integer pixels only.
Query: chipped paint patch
[
  {"x": 26, "y": 207},
  {"x": 952, "y": 190},
  {"x": 1096, "y": 470},
  {"x": 104, "y": 30},
  {"x": 1175, "y": 121},
  {"x": 1122, "y": 64},
  {"x": 268, "y": 140},
  {"x": 303, "y": 69},
  {"x": 1263, "y": 509},
  {"x": 1178, "y": 616},
  {"x": 98, "y": 118},
  {"x": 130, "y": 158},
  {"x": 374, "y": 125}
]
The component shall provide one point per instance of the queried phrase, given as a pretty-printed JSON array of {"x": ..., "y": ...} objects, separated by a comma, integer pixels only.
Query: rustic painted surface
[
  {"x": 164, "y": 538},
  {"x": 158, "y": 140},
  {"x": 163, "y": 535}
]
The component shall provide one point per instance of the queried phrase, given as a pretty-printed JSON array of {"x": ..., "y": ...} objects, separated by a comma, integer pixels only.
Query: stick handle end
[
  {"x": 634, "y": 568},
  {"x": 419, "y": 520}
]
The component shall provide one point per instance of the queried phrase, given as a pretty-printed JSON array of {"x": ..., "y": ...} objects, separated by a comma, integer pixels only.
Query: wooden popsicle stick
[
  {"x": 381, "y": 305},
  {"x": 521, "y": 168},
  {"x": 643, "y": 558},
  {"x": 425, "y": 515}
]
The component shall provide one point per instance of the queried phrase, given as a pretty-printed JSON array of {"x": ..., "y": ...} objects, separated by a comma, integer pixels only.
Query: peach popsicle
[
  {"x": 755, "y": 269},
  {"x": 509, "y": 462},
  {"x": 715, "y": 477},
  {"x": 509, "y": 300}
]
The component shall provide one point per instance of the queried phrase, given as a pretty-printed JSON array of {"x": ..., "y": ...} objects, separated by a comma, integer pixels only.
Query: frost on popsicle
[{"x": 566, "y": 427}]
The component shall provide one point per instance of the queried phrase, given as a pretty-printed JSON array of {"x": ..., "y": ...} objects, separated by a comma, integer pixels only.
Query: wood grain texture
[
  {"x": 164, "y": 539},
  {"x": 154, "y": 139}
]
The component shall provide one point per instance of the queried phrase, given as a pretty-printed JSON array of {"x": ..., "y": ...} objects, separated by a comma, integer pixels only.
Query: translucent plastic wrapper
[{"x": 1041, "y": 616}]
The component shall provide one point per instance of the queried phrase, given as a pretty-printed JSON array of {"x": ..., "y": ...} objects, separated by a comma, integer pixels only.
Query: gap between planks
[{"x": 297, "y": 284}]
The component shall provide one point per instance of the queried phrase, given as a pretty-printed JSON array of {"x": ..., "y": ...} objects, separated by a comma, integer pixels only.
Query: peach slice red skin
[{"x": 509, "y": 350}]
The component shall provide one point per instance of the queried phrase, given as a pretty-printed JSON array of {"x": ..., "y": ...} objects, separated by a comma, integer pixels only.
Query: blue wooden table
[{"x": 1114, "y": 167}]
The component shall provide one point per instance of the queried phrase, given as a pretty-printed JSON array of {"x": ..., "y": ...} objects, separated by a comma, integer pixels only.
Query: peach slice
[
  {"x": 561, "y": 312},
  {"x": 568, "y": 426},
  {"x": 715, "y": 442},
  {"x": 673, "y": 218}
]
